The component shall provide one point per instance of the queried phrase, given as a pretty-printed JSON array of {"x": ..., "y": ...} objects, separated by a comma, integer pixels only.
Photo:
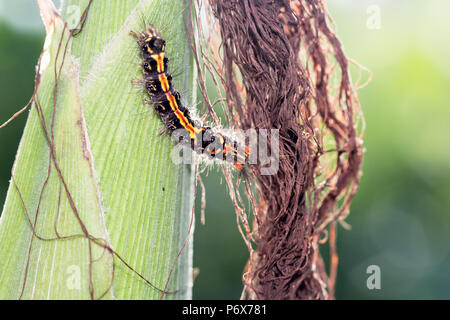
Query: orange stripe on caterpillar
[
  {"x": 164, "y": 82},
  {"x": 159, "y": 58}
]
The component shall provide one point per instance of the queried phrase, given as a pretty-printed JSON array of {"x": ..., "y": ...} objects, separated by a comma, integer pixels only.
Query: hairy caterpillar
[{"x": 167, "y": 103}]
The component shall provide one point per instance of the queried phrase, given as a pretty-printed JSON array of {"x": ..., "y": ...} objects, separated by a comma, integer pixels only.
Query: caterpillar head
[{"x": 150, "y": 41}]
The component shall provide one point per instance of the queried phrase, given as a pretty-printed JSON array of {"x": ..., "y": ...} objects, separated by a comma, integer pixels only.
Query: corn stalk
[{"x": 95, "y": 207}]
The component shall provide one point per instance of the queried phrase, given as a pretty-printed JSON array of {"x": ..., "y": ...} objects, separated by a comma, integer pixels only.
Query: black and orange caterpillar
[{"x": 167, "y": 103}]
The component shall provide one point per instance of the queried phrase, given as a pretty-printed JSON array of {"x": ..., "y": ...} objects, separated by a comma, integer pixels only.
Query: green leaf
[{"x": 128, "y": 193}]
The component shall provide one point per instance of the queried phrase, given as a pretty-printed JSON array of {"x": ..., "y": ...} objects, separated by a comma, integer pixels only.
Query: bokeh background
[{"x": 400, "y": 217}]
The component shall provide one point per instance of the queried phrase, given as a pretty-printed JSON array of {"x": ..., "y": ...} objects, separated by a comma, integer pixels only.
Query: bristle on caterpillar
[{"x": 167, "y": 103}]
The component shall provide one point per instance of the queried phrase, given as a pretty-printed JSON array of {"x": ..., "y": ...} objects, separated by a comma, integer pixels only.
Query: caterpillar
[{"x": 167, "y": 103}]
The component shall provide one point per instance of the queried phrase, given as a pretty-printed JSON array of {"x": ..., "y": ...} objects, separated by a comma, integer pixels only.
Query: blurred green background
[{"x": 400, "y": 217}]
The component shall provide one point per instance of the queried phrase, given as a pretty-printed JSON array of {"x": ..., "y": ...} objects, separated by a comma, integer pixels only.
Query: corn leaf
[{"x": 93, "y": 177}]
